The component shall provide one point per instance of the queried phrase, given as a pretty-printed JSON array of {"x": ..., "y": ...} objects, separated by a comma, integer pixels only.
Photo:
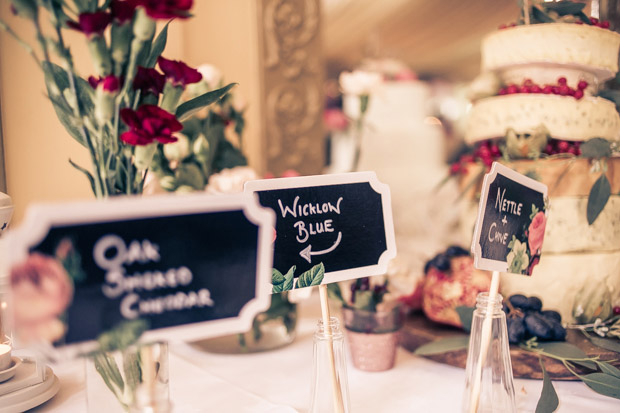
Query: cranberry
[
  {"x": 487, "y": 161},
  {"x": 528, "y": 82},
  {"x": 578, "y": 22},
  {"x": 604, "y": 25},
  {"x": 502, "y": 91},
  {"x": 484, "y": 152},
  {"x": 593, "y": 20},
  {"x": 524, "y": 89},
  {"x": 572, "y": 150},
  {"x": 535, "y": 89},
  {"x": 562, "y": 80},
  {"x": 617, "y": 310},
  {"x": 547, "y": 89},
  {"x": 579, "y": 94},
  {"x": 556, "y": 90},
  {"x": 495, "y": 152},
  {"x": 512, "y": 89},
  {"x": 502, "y": 26},
  {"x": 563, "y": 146},
  {"x": 549, "y": 149},
  {"x": 571, "y": 91},
  {"x": 582, "y": 85},
  {"x": 467, "y": 158},
  {"x": 455, "y": 168},
  {"x": 513, "y": 24}
]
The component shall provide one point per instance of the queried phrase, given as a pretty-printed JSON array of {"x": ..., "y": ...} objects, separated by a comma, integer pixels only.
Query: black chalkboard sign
[
  {"x": 191, "y": 266},
  {"x": 343, "y": 221},
  {"x": 511, "y": 222}
]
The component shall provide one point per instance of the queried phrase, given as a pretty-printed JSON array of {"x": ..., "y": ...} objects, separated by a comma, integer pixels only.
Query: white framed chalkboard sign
[
  {"x": 512, "y": 217},
  {"x": 190, "y": 266},
  {"x": 343, "y": 221}
]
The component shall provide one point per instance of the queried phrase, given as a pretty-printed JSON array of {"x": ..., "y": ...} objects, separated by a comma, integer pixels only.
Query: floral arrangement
[
  {"x": 208, "y": 146},
  {"x": 525, "y": 251},
  {"x": 368, "y": 293},
  {"x": 125, "y": 109}
]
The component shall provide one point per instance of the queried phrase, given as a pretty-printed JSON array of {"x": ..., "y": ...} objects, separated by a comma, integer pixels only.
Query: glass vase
[
  {"x": 131, "y": 380},
  {"x": 373, "y": 337},
  {"x": 489, "y": 384},
  {"x": 330, "y": 388},
  {"x": 270, "y": 330}
]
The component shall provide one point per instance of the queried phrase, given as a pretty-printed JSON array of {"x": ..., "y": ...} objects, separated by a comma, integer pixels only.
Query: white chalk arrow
[{"x": 307, "y": 252}]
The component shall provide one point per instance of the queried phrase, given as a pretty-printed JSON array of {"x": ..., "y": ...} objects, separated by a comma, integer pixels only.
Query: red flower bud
[
  {"x": 91, "y": 23},
  {"x": 148, "y": 124},
  {"x": 122, "y": 11},
  {"x": 178, "y": 72},
  {"x": 110, "y": 83},
  {"x": 149, "y": 80},
  {"x": 165, "y": 9}
]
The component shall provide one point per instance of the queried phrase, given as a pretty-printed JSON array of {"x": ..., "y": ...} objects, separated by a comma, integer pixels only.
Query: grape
[
  {"x": 441, "y": 262},
  {"x": 516, "y": 329},
  {"x": 538, "y": 326},
  {"x": 534, "y": 304},
  {"x": 456, "y": 251},
  {"x": 557, "y": 331},
  {"x": 552, "y": 315},
  {"x": 518, "y": 301}
]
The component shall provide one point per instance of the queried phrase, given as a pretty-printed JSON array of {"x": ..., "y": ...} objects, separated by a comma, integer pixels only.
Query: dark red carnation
[
  {"x": 110, "y": 83},
  {"x": 149, "y": 80},
  {"x": 166, "y": 9},
  {"x": 148, "y": 124},
  {"x": 91, "y": 23},
  {"x": 178, "y": 72},
  {"x": 122, "y": 11}
]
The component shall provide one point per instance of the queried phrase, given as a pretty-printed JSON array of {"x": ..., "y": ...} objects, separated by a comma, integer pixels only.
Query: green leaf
[
  {"x": 334, "y": 292},
  {"x": 548, "y": 402},
  {"x": 599, "y": 195},
  {"x": 584, "y": 363},
  {"x": 606, "y": 343},
  {"x": 276, "y": 277},
  {"x": 66, "y": 118},
  {"x": 158, "y": 46},
  {"x": 562, "y": 349},
  {"x": 443, "y": 345},
  {"x": 312, "y": 277},
  {"x": 109, "y": 372},
  {"x": 564, "y": 8},
  {"x": 602, "y": 383},
  {"x": 596, "y": 148},
  {"x": 466, "y": 314},
  {"x": 289, "y": 279},
  {"x": 364, "y": 301},
  {"x": 193, "y": 105},
  {"x": 583, "y": 17},
  {"x": 608, "y": 368},
  {"x": 131, "y": 367},
  {"x": 541, "y": 16},
  {"x": 85, "y": 172}
]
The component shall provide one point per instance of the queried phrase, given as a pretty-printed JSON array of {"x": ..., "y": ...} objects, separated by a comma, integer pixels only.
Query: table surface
[{"x": 201, "y": 381}]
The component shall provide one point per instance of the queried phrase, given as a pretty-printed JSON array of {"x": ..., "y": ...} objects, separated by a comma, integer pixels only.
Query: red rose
[
  {"x": 166, "y": 9},
  {"x": 178, "y": 72},
  {"x": 122, "y": 11},
  {"x": 91, "y": 23},
  {"x": 110, "y": 83},
  {"x": 149, "y": 123},
  {"x": 149, "y": 80},
  {"x": 536, "y": 233}
]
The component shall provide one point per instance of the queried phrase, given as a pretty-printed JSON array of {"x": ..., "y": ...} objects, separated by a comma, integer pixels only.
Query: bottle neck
[
  {"x": 484, "y": 304},
  {"x": 333, "y": 330}
]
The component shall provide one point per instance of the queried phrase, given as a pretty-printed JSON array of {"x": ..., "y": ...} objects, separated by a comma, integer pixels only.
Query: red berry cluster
[
  {"x": 555, "y": 146},
  {"x": 485, "y": 152},
  {"x": 595, "y": 22},
  {"x": 617, "y": 310},
  {"x": 561, "y": 88}
]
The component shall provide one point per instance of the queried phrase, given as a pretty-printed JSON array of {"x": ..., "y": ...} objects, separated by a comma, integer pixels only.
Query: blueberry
[
  {"x": 518, "y": 301},
  {"x": 456, "y": 251},
  {"x": 534, "y": 303},
  {"x": 552, "y": 315},
  {"x": 516, "y": 329},
  {"x": 441, "y": 262},
  {"x": 506, "y": 309},
  {"x": 538, "y": 326}
]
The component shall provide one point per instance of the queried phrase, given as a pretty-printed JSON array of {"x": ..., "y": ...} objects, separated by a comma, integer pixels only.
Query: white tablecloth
[{"x": 279, "y": 382}]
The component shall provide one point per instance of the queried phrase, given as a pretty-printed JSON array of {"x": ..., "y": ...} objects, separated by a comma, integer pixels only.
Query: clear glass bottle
[
  {"x": 490, "y": 363},
  {"x": 325, "y": 397}
]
